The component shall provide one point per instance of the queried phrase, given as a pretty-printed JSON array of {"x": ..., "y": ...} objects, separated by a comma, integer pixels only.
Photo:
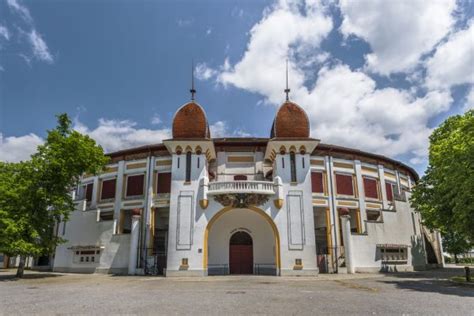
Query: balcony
[{"x": 237, "y": 187}]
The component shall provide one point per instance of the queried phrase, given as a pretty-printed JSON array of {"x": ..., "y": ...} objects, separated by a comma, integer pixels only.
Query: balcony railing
[{"x": 257, "y": 187}]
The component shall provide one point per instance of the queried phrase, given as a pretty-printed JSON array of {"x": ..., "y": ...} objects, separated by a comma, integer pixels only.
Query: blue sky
[{"x": 372, "y": 75}]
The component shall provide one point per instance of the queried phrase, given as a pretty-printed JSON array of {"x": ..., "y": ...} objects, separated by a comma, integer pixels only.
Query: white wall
[
  {"x": 84, "y": 230},
  {"x": 397, "y": 228}
]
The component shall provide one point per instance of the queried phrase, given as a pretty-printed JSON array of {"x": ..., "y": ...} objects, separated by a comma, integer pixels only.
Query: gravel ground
[{"x": 427, "y": 293}]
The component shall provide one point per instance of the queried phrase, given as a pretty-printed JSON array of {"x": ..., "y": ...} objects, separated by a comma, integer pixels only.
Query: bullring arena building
[{"x": 284, "y": 205}]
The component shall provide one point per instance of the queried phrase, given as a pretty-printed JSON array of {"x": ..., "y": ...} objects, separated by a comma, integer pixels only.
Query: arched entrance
[
  {"x": 241, "y": 253},
  {"x": 252, "y": 220}
]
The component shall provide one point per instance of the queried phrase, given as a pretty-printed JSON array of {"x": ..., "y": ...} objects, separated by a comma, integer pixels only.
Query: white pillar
[
  {"x": 347, "y": 238},
  {"x": 132, "y": 260},
  {"x": 361, "y": 190}
]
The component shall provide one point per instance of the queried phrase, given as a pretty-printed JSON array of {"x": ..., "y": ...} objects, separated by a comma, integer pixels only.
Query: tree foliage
[
  {"x": 35, "y": 194},
  {"x": 445, "y": 194}
]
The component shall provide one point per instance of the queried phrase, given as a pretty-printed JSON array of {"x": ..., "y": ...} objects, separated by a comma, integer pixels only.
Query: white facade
[
  {"x": 287, "y": 205},
  {"x": 294, "y": 230}
]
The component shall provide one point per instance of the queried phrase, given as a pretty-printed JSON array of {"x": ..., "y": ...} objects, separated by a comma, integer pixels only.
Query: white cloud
[
  {"x": 209, "y": 31},
  {"x": 218, "y": 129},
  {"x": 204, "y": 72},
  {"x": 22, "y": 10},
  {"x": 112, "y": 135},
  {"x": 221, "y": 129},
  {"x": 453, "y": 61},
  {"x": 39, "y": 47},
  {"x": 4, "y": 32},
  {"x": 399, "y": 32},
  {"x": 156, "y": 120},
  {"x": 115, "y": 135},
  {"x": 469, "y": 101},
  {"x": 15, "y": 149},
  {"x": 283, "y": 27},
  {"x": 345, "y": 106}
]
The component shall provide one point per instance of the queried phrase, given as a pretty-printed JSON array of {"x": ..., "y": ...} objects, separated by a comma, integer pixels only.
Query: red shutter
[
  {"x": 317, "y": 182},
  {"x": 370, "y": 188},
  {"x": 135, "y": 185},
  {"x": 344, "y": 184},
  {"x": 108, "y": 189},
  {"x": 389, "y": 190},
  {"x": 89, "y": 192},
  {"x": 164, "y": 183}
]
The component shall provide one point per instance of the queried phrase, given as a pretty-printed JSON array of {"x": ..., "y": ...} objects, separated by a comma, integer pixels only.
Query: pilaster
[
  {"x": 383, "y": 191},
  {"x": 361, "y": 190}
]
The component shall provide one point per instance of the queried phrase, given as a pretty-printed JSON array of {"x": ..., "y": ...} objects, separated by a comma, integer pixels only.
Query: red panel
[
  {"x": 135, "y": 185},
  {"x": 108, "y": 189},
  {"x": 389, "y": 190},
  {"x": 164, "y": 183},
  {"x": 89, "y": 192},
  {"x": 317, "y": 182},
  {"x": 241, "y": 259},
  {"x": 344, "y": 184},
  {"x": 370, "y": 188}
]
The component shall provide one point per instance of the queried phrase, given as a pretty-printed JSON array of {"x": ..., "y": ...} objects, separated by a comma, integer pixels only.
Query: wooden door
[{"x": 241, "y": 253}]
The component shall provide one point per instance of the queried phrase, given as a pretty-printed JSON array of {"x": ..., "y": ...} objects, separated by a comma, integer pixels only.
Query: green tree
[
  {"x": 35, "y": 194},
  {"x": 445, "y": 194},
  {"x": 455, "y": 244}
]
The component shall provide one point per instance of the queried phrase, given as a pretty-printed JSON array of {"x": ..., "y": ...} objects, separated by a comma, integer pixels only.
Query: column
[
  {"x": 382, "y": 187},
  {"x": 118, "y": 194},
  {"x": 360, "y": 188},
  {"x": 346, "y": 235},
  {"x": 132, "y": 260},
  {"x": 95, "y": 192}
]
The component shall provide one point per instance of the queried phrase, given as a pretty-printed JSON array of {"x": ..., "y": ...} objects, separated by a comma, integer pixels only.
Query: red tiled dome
[
  {"x": 290, "y": 121},
  {"x": 190, "y": 122}
]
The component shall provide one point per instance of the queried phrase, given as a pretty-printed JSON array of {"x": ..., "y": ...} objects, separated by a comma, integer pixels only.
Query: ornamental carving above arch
[{"x": 241, "y": 200}]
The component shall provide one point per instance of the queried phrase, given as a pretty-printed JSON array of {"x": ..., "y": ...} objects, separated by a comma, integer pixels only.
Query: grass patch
[{"x": 461, "y": 279}]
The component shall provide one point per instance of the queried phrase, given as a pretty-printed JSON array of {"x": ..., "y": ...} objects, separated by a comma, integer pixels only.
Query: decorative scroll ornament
[{"x": 241, "y": 200}]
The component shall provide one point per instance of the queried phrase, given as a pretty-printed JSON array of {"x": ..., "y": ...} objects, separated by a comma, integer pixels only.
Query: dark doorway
[{"x": 241, "y": 253}]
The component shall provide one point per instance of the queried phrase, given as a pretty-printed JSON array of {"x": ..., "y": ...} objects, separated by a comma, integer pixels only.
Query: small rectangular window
[
  {"x": 107, "y": 216},
  {"x": 88, "y": 191},
  {"x": 135, "y": 185},
  {"x": 293, "y": 167},
  {"x": 126, "y": 222},
  {"x": 389, "y": 190},
  {"x": 317, "y": 182},
  {"x": 164, "y": 182},
  {"x": 344, "y": 184},
  {"x": 370, "y": 188},
  {"x": 188, "y": 166},
  {"x": 108, "y": 189},
  {"x": 374, "y": 216}
]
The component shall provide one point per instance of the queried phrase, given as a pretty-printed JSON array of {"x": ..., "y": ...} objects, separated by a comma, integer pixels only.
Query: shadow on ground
[
  {"x": 431, "y": 281},
  {"x": 5, "y": 277}
]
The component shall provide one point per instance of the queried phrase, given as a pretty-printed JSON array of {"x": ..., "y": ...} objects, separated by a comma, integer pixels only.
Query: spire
[
  {"x": 192, "y": 90},
  {"x": 287, "y": 90}
]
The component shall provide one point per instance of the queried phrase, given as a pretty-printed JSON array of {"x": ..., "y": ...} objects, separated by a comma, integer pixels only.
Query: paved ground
[{"x": 427, "y": 293}]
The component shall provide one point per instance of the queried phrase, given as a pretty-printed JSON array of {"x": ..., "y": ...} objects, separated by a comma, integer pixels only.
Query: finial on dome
[
  {"x": 287, "y": 90},
  {"x": 192, "y": 90}
]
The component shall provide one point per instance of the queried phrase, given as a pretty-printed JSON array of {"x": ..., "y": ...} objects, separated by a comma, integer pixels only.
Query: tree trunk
[
  {"x": 21, "y": 267},
  {"x": 456, "y": 260}
]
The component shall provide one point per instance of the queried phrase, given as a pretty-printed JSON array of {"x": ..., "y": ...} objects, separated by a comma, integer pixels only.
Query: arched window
[
  {"x": 188, "y": 166},
  {"x": 293, "y": 166}
]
